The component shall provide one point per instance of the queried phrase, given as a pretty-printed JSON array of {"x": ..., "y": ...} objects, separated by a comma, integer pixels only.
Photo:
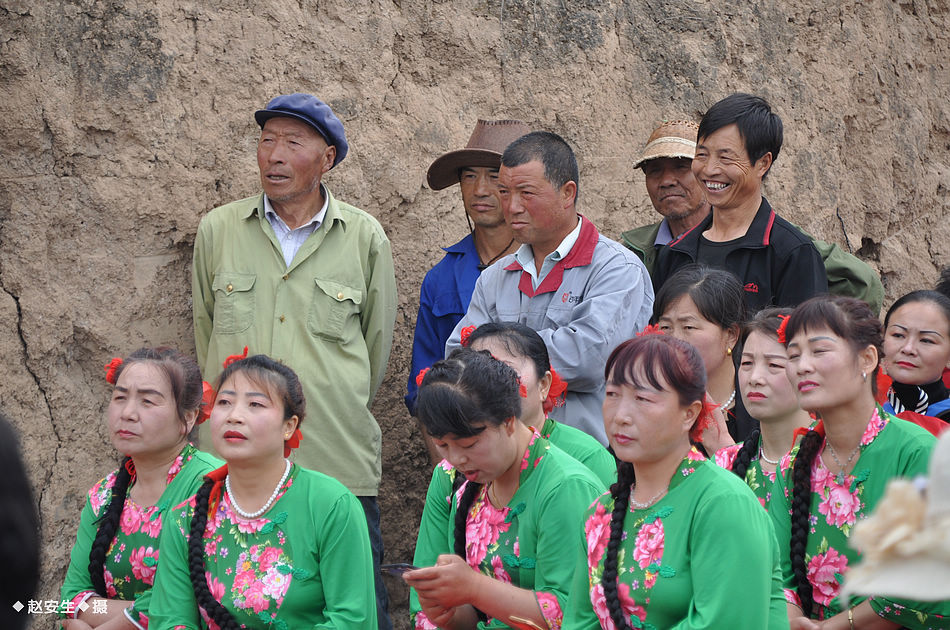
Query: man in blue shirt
[{"x": 447, "y": 287}]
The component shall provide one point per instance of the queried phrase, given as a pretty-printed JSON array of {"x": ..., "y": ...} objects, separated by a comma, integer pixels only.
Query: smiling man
[
  {"x": 581, "y": 291},
  {"x": 738, "y": 140},
  {"x": 297, "y": 275}
]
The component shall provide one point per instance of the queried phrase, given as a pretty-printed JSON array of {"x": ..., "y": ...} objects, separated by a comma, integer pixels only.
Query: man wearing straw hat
[
  {"x": 678, "y": 196},
  {"x": 447, "y": 287}
]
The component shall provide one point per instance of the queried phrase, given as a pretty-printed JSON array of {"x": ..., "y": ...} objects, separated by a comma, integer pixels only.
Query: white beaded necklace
[
  {"x": 732, "y": 397},
  {"x": 273, "y": 495}
]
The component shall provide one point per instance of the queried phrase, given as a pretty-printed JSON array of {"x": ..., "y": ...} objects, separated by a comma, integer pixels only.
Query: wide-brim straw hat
[
  {"x": 484, "y": 148},
  {"x": 672, "y": 139},
  {"x": 905, "y": 543}
]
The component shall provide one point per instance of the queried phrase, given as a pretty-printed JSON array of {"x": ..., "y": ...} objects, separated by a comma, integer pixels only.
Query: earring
[
  {"x": 864, "y": 375},
  {"x": 728, "y": 352}
]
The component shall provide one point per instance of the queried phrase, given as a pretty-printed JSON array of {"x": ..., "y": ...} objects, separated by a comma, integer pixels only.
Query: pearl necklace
[
  {"x": 766, "y": 459},
  {"x": 273, "y": 495},
  {"x": 648, "y": 502},
  {"x": 732, "y": 397}
]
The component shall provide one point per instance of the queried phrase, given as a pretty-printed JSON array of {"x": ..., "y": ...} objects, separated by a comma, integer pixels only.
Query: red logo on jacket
[{"x": 751, "y": 287}]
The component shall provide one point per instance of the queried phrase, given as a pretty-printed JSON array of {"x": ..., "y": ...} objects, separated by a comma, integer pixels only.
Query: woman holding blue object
[{"x": 156, "y": 401}]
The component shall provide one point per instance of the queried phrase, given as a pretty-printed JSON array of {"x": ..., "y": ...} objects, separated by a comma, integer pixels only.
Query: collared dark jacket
[{"x": 777, "y": 264}]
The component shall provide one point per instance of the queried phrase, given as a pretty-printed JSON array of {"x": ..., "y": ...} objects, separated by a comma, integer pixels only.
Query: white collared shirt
[
  {"x": 292, "y": 240},
  {"x": 525, "y": 256}
]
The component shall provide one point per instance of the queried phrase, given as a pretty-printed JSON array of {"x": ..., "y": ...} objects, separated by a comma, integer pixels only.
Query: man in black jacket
[{"x": 738, "y": 140}]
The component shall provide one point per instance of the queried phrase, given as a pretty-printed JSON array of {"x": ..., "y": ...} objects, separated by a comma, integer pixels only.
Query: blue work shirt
[{"x": 443, "y": 300}]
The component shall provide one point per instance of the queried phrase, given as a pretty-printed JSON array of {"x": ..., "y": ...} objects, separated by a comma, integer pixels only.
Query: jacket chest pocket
[
  {"x": 333, "y": 305},
  {"x": 233, "y": 302}
]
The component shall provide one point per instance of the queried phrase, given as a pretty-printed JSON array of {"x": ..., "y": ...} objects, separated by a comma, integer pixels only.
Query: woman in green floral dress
[
  {"x": 156, "y": 401},
  {"x": 841, "y": 469},
  {"x": 264, "y": 543},
  {"x": 678, "y": 542},
  {"x": 769, "y": 397},
  {"x": 505, "y": 555}
]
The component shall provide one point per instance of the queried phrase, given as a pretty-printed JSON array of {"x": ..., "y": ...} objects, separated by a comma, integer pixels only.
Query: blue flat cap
[{"x": 311, "y": 110}]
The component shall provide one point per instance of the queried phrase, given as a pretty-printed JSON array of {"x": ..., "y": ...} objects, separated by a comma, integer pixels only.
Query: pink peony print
[
  {"x": 482, "y": 529},
  {"x": 276, "y": 585},
  {"x": 140, "y": 570},
  {"x": 423, "y": 623},
  {"x": 243, "y": 579},
  {"x": 597, "y": 530},
  {"x": 820, "y": 475},
  {"x": 875, "y": 426},
  {"x": 498, "y": 569},
  {"x": 268, "y": 557},
  {"x": 255, "y": 598},
  {"x": 694, "y": 455},
  {"x": 517, "y": 547},
  {"x": 627, "y": 605},
  {"x": 550, "y": 610},
  {"x": 215, "y": 586},
  {"x": 99, "y": 492},
  {"x": 176, "y": 467},
  {"x": 821, "y": 573},
  {"x": 151, "y": 527},
  {"x": 131, "y": 519},
  {"x": 839, "y": 504},
  {"x": 726, "y": 457},
  {"x": 110, "y": 584},
  {"x": 649, "y": 544}
]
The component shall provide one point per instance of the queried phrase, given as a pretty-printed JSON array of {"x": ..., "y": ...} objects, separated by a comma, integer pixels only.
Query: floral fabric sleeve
[
  {"x": 914, "y": 615},
  {"x": 173, "y": 601},
  {"x": 433, "y": 537},
  {"x": 77, "y": 587}
]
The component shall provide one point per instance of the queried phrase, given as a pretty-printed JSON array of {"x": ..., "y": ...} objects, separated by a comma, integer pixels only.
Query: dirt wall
[{"x": 124, "y": 122}]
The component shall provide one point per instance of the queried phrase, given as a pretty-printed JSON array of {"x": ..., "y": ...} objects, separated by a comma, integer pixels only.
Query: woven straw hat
[
  {"x": 905, "y": 543},
  {"x": 484, "y": 148},
  {"x": 673, "y": 139}
]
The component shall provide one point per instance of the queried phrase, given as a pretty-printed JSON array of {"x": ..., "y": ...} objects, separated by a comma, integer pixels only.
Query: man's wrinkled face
[
  {"x": 292, "y": 158},
  {"x": 674, "y": 190}
]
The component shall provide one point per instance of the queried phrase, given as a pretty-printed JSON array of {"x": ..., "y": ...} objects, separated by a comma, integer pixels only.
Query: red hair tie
[
  {"x": 522, "y": 390},
  {"x": 130, "y": 468},
  {"x": 465, "y": 334},
  {"x": 780, "y": 331},
  {"x": 217, "y": 476},
  {"x": 421, "y": 375},
  {"x": 235, "y": 357},
  {"x": 292, "y": 442},
  {"x": 111, "y": 369},
  {"x": 652, "y": 329},
  {"x": 555, "y": 393},
  {"x": 207, "y": 402}
]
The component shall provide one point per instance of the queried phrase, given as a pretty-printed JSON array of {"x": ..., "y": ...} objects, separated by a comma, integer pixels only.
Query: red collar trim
[
  {"x": 768, "y": 228},
  {"x": 580, "y": 255}
]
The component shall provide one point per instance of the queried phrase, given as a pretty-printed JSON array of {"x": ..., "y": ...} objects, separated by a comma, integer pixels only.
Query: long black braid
[
  {"x": 108, "y": 524},
  {"x": 196, "y": 561},
  {"x": 620, "y": 491},
  {"x": 744, "y": 457},
  {"x": 801, "y": 511}
]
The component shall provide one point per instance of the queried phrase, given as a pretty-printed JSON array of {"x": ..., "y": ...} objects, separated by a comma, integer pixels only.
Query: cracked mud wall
[{"x": 124, "y": 122}]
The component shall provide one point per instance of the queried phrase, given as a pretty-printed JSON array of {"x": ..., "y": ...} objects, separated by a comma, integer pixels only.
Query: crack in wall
[{"x": 49, "y": 409}]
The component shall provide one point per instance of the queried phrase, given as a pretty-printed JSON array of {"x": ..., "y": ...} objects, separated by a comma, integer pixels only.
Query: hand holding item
[{"x": 450, "y": 583}]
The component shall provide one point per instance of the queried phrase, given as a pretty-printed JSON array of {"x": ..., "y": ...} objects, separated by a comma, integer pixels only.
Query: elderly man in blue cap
[{"x": 297, "y": 275}]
